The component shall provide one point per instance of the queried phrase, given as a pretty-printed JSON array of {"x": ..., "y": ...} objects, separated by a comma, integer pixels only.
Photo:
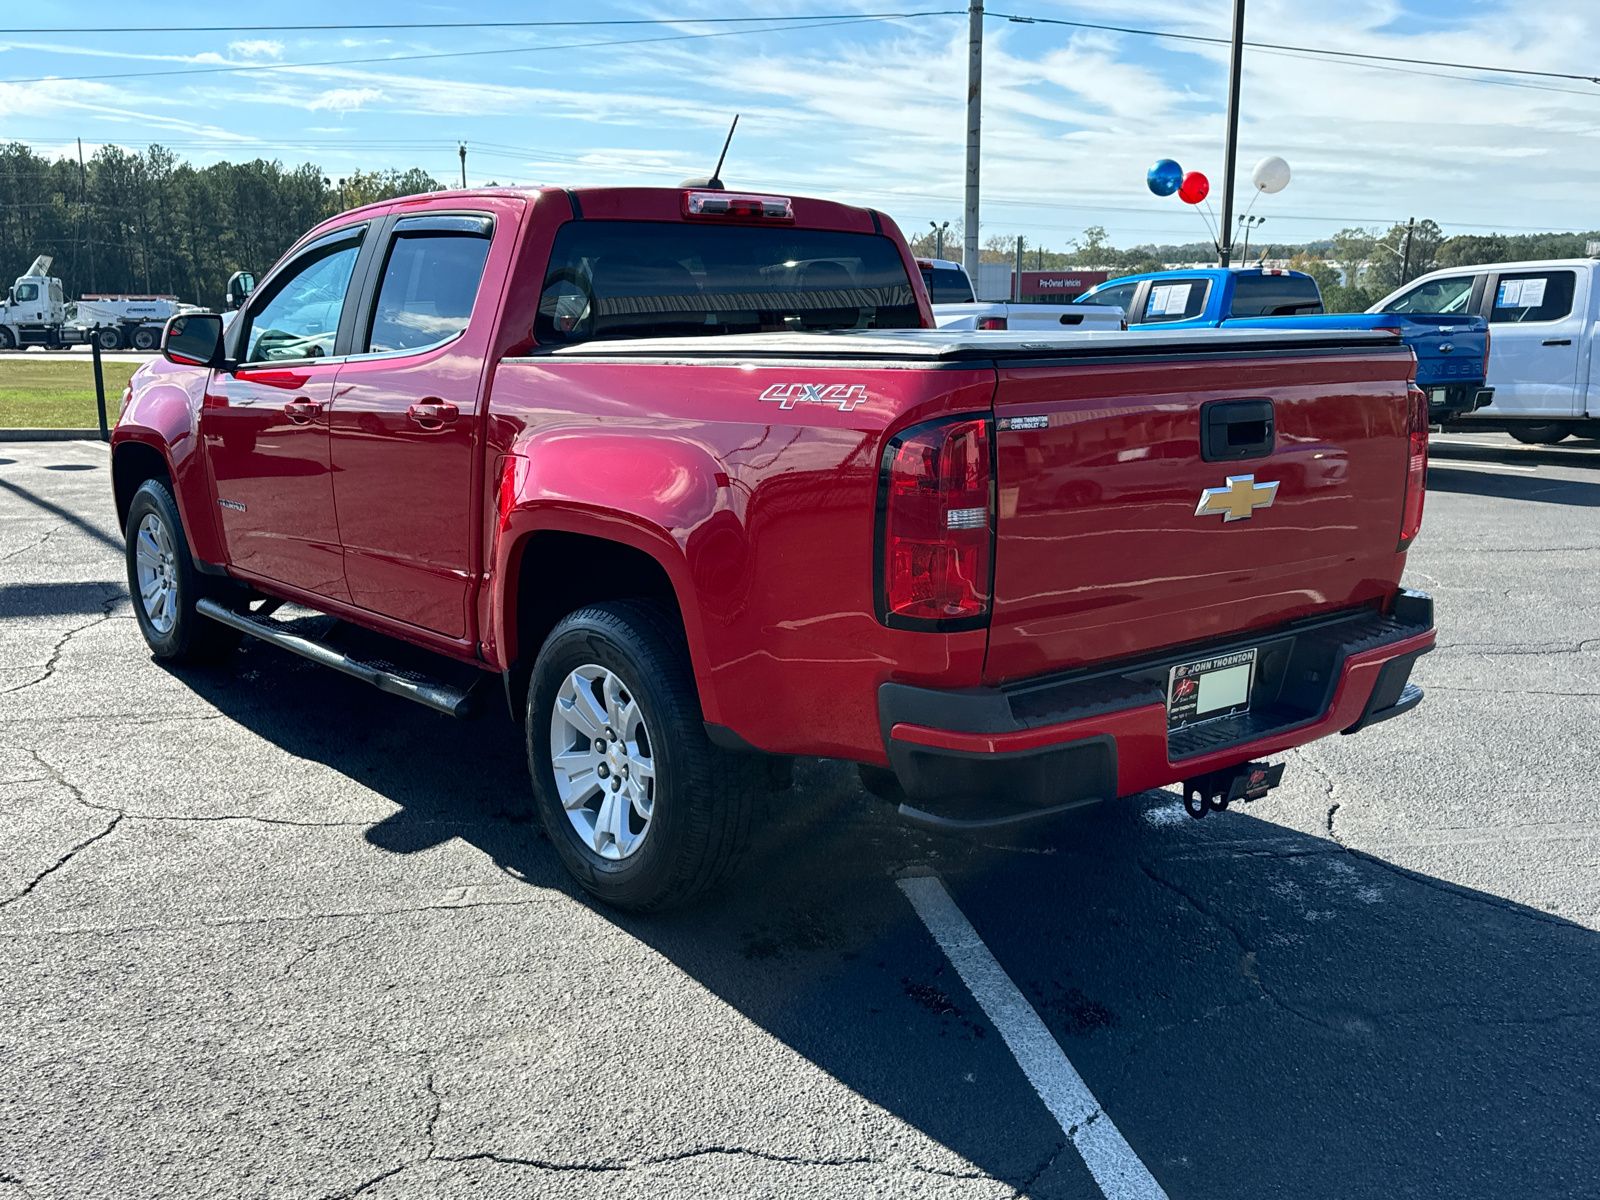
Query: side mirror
[
  {"x": 240, "y": 285},
  {"x": 194, "y": 340}
]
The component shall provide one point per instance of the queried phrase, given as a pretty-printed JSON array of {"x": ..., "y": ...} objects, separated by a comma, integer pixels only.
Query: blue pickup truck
[{"x": 1452, "y": 349}]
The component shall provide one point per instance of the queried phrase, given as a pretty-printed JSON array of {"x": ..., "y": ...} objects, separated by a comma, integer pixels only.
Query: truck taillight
[
  {"x": 1486, "y": 355},
  {"x": 936, "y": 526},
  {"x": 991, "y": 322},
  {"x": 1416, "y": 466},
  {"x": 738, "y": 206}
]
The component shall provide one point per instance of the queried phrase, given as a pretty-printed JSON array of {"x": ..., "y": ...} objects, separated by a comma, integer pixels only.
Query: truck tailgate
[{"x": 1099, "y": 552}]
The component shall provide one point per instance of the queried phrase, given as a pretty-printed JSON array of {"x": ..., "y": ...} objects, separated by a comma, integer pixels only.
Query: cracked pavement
[{"x": 270, "y": 933}]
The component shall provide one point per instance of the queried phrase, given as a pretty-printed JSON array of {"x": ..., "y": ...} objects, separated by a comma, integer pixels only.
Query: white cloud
[
  {"x": 345, "y": 99},
  {"x": 257, "y": 48}
]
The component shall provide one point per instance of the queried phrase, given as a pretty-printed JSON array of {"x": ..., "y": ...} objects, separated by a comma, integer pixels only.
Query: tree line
[{"x": 122, "y": 221}]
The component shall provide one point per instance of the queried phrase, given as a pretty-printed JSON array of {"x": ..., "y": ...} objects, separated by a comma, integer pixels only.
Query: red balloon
[{"x": 1196, "y": 187}]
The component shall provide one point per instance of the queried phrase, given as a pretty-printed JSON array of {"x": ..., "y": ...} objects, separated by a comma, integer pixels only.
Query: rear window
[
  {"x": 1535, "y": 296},
  {"x": 621, "y": 279},
  {"x": 1274, "y": 295},
  {"x": 946, "y": 286}
]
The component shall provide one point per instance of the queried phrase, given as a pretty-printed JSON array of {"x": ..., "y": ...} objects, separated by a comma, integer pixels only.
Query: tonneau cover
[{"x": 967, "y": 345}]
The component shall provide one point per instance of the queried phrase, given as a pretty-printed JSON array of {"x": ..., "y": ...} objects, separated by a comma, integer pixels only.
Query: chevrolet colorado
[{"x": 690, "y": 475}]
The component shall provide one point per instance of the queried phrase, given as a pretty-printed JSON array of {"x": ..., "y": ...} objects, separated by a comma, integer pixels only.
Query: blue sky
[{"x": 868, "y": 112}]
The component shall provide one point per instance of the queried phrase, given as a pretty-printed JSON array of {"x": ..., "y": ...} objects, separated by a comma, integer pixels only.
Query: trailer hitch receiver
[{"x": 1214, "y": 791}]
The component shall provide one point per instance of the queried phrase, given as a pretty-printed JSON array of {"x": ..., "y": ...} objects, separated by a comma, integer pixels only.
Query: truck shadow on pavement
[
  {"x": 1261, "y": 1012},
  {"x": 1491, "y": 483}
]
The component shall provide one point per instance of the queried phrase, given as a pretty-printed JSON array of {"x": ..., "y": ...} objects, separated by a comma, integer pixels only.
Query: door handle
[
  {"x": 433, "y": 414},
  {"x": 301, "y": 411},
  {"x": 1556, "y": 342}
]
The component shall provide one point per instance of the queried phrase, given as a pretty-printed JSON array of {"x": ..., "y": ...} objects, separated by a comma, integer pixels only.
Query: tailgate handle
[{"x": 1231, "y": 430}]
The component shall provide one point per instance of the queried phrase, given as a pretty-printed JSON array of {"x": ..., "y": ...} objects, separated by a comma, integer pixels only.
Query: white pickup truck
[
  {"x": 1544, "y": 364},
  {"x": 956, "y": 307}
]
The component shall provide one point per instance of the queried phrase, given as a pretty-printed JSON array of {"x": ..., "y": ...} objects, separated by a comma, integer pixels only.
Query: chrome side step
[{"x": 430, "y": 693}]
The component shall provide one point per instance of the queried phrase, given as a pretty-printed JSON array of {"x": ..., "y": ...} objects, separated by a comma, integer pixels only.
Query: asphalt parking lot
[{"x": 269, "y": 933}]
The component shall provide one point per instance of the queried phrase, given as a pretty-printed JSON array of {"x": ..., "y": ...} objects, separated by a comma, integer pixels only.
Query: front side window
[
  {"x": 301, "y": 319},
  {"x": 1534, "y": 296},
  {"x": 1259, "y": 295},
  {"x": 1175, "y": 299},
  {"x": 1119, "y": 295},
  {"x": 429, "y": 284},
  {"x": 27, "y": 291},
  {"x": 1449, "y": 295},
  {"x": 619, "y": 279},
  {"x": 947, "y": 286}
]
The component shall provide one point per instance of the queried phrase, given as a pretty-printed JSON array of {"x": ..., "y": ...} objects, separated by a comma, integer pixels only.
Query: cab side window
[
  {"x": 1449, "y": 295},
  {"x": 27, "y": 291},
  {"x": 429, "y": 282},
  {"x": 1533, "y": 296},
  {"x": 1117, "y": 296},
  {"x": 1174, "y": 300},
  {"x": 301, "y": 317}
]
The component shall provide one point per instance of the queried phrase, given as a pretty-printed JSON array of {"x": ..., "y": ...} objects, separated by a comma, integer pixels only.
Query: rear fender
[
  {"x": 163, "y": 413},
  {"x": 622, "y": 486}
]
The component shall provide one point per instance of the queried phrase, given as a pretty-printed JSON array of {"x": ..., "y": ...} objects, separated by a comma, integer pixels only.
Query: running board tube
[{"x": 440, "y": 697}]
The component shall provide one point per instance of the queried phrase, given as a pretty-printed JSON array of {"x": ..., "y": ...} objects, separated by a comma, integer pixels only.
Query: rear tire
[
  {"x": 109, "y": 338},
  {"x": 1541, "y": 435},
  {"x": 164, "y": 584},
  {"x": 145, "y": 338},
  {"x": 683, "y": 834}
]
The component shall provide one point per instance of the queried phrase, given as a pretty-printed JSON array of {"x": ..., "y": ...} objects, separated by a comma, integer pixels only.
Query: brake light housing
[
  {"x": 738, "y": 206},
  {"x": 1416, "y": 466},
  {"x": 935, "y": 565}
]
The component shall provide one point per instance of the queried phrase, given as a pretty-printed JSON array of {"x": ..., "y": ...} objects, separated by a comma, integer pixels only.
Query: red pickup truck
[{"x": 691, "y": 472}]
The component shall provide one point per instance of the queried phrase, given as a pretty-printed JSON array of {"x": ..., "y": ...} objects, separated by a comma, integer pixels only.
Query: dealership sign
[{"x": 1060, "y": 283}]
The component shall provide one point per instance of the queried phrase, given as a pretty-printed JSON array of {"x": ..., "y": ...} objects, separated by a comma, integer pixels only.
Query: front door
[
  {"x": 265, "y": 425},
  {"x": 1536, "y": 328},
  {"x": 405, "y": 418}
]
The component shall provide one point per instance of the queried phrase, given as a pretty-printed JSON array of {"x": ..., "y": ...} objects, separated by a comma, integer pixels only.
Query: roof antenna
[{"x": 714, "y": 180}]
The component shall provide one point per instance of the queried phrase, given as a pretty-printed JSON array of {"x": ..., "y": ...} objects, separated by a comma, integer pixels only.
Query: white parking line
[{"x": 1112, "y": 1162}]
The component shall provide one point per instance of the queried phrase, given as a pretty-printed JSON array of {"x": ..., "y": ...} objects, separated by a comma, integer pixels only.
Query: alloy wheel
[
  {"x": 157, "y": 562},
  {"x": 604, "y": 761}
]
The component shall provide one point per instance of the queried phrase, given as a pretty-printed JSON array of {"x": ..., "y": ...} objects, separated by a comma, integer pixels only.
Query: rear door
[
  {"x": 1100, "y": 550},
  {"x": 265, "y": 425},
  {"x": 1536, "y": 327},
  {"x": 405, "y": 417}
]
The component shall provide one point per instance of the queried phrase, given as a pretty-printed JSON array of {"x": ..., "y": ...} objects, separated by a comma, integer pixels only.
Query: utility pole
[
  {"x": 1405, "y": 258},
  {"x": 974, "y": 127},
  {"x": 88, "y": 222},
  {"x": 463, "y": 166},
  {"x": 1235, "y": 62},
  {"x": 1016, "y": 275}
]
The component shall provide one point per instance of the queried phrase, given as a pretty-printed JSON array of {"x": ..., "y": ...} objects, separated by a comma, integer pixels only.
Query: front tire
[
  {"x": 165, "y": 585},
  {"x": 644, "y": 811}
]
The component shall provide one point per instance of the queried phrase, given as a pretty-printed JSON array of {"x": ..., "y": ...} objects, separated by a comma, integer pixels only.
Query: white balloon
[{"x": 1271, "y": 174}]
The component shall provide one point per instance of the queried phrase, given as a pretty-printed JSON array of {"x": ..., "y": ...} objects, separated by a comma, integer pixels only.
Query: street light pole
[
  {"x": 1405, "y": 260},
  {"x": 1235, "y": 62},
  {"x": 463, "y": 166},
  {"x": 974, "y": 126}
]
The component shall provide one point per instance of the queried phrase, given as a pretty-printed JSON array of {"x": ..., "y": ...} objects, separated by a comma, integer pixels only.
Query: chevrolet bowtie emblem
[{"x": 1236, "y": 501}]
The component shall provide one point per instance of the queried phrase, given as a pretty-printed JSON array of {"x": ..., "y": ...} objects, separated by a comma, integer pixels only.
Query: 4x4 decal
[{"x": 843, "y": 396}]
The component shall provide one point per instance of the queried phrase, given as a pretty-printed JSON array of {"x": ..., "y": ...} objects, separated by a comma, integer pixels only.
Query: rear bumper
[
  {"x": 1446, "y": 403},
  {"x": 991, "y": 755}
]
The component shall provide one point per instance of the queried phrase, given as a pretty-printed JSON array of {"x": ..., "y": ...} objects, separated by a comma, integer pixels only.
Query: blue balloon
[{"x": 1165, "y": 177}]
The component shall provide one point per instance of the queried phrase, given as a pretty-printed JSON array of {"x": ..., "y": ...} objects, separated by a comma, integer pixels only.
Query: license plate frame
[{"x": 1221, "y": 675}]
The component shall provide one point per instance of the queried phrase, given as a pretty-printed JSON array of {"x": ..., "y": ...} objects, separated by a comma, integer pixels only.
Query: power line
[
  {"x": 455, "y": 24},
  {"x": 396, "y": 58},
  {"x": 1318, "y": 50}
]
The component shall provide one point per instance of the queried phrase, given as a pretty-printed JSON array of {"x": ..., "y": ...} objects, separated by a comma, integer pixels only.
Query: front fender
[
  {"x": 656, "y": 495},
  {"x": 163, "y": 413}
]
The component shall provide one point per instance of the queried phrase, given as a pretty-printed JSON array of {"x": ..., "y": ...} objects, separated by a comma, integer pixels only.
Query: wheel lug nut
[
  {"x": 599, "y": 747},
  {"x": 616, "y": 785},
  {"x": 603, "y": 771}
]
